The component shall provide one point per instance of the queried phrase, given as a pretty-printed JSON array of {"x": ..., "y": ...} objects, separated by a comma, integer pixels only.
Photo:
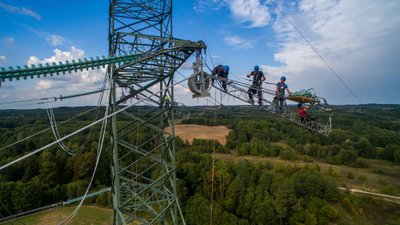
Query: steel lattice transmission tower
[{"x": 143, "y": 163}]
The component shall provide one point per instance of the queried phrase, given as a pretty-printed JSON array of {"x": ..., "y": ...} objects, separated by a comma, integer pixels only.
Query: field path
[{"x": 392, "y": 198}]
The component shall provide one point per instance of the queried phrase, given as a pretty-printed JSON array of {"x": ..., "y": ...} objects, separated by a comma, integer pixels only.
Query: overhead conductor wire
[
  {"x": 316, "y": 52},
  {"x": 99, "y": 151},
  {"x": 56, "y": 133},
  {"x": 40, "y": 132},
  {"x": 85, "y": 127}
]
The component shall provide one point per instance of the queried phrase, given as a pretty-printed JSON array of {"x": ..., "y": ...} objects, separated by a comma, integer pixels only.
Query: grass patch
[
  {"x": 86, "y": 215},
  {"x": 361, "y": 178}
]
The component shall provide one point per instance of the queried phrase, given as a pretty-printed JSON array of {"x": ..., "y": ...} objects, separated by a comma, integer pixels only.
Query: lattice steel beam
[{"x": 143, "y": 166}]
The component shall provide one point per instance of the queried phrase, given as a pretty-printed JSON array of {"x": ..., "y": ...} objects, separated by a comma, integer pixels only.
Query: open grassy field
[
  {"x": 86, "y": 215},
  {"x": 190, "y": 131},
  {"x": 379, "y": 177},
  {"x": 376, "y": 178}
]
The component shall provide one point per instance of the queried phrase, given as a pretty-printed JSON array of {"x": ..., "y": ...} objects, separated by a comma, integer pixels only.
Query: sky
[{"x": 347, "y": 50}]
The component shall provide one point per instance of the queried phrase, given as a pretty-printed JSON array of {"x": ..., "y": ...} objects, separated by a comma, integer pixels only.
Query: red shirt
[{"x": 301, "y": 112}]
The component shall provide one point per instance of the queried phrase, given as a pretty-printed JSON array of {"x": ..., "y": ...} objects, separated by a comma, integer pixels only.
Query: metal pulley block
[{"x": 199, "y": 82}]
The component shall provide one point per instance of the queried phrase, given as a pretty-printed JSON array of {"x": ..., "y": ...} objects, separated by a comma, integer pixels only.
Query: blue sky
[{"x": 358, "y": 38}]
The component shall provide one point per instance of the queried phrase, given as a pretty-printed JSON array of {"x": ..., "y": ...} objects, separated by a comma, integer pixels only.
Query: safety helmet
[
  {"x": 256, "y": 68},
  {"x": 299, "y": 105},
  {"x": 283, "y": 78},
  {"x": 226, "y": 68}
]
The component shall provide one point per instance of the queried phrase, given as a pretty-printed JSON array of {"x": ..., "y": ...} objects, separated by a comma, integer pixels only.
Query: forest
[{"x": 301, "y": 189}]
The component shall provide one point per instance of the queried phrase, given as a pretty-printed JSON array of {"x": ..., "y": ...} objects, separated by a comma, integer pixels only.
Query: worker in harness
[
  {"x": 258, "y": 78},
  {"x": 303, "y": 114},
  {"x": 222, "y": 73},
  {"x": 166, "y": 101},
  {"x": 281, "y": 87}
]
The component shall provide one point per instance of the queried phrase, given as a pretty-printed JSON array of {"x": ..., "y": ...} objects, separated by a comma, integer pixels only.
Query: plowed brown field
[{"x": 190, "y": 131}]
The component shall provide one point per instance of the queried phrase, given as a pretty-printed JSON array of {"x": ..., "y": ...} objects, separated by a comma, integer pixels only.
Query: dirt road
[{"x": 392, "y": 198}]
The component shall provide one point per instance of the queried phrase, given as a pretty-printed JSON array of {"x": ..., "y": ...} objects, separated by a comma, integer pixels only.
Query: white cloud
[
  {"x": 336, "y": 29},
  {"x": 55, "y": 40},
  {"x": 20, "y": 10},
  {"x": 249, "y": 12},
  {"x": 187, "y": 65},
  {"x": 181, "y": 90},
  {"x": 237, "y": 42},
  {"x": 8, "y": 41},
  {"x": 58, "y": 56},
  {"x": 79, "y": 81},
  {"x": 360, "y": 43},
  {"x": 202, "y": 5},
  {"x": 44, "y": 85},
  {"x": 2, "y": 59}
]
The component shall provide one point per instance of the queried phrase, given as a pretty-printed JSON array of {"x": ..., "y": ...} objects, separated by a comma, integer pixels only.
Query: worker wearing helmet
[
  {"x": 258, "y": 78},
  {"x": 281, "y": 87},
  {"x": 166, "y": 101},
  {"x": 222, "y": 73},
  {"x": 303, "y": 114}
]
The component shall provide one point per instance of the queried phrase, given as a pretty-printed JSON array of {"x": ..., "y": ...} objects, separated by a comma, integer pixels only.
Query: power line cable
[
  {"x": 1, "y": 202},
  {"x": 204, "y": 34},
  {"x": 54, "y": 99},
  {"x": 99, "y": 151},
  {"x": 65, "y": 97},
  {"x": 40, "y": 132},
  {"x": 319, "y": 55},
  {"x": 56, "y": 133},
  {"x": 23, "y": 101},
  {"x": 86, "y": 127}
]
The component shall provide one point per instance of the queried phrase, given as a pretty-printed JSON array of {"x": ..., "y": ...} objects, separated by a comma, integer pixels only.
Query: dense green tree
[
  {"x": 198, "y": 209},
  {"x": 244, "y": 192},
  {"x": 223, "y": 177},
  {"x": 6, "y": 198},
  {"x": 48, "y": 168},
  {"x": 284, "y": 200},
  {"x": 264, "y": 211},
  {"x": 76, "y": 188},
  {"x": 303, "y": 217},
  {"x": 396, "y": 154},
  {"x": 309, "y": 184},
  {"x": 365, "y": 149}
]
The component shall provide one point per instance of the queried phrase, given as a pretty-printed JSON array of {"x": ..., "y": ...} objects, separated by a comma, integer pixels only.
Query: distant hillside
[{"x": 270, "y": 171}]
